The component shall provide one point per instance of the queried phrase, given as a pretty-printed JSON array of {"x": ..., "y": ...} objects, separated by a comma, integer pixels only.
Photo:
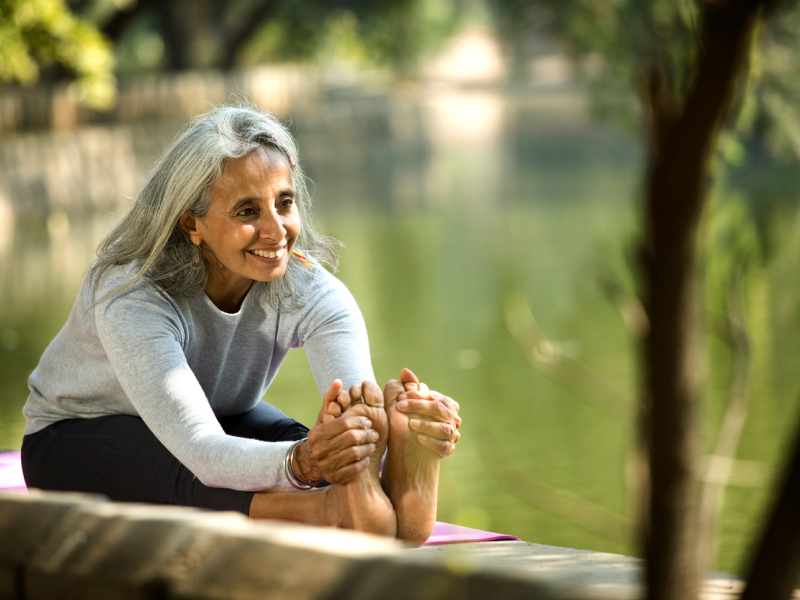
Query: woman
[{"x": 151, "y": 391}]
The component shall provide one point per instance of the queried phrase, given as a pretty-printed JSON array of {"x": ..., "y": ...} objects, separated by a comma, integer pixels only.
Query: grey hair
[{"x": 150, "y": 232}]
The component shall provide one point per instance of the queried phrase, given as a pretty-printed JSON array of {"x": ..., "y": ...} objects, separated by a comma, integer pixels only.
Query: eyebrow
[
  {"x": 286, "y": 192},
  {"x": 244, "y": 201}
]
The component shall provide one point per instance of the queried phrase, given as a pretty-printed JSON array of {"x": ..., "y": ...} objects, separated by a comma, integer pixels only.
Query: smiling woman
[
  {"x": 251, "y": 228},
  {"x": 152, "y": 390}
]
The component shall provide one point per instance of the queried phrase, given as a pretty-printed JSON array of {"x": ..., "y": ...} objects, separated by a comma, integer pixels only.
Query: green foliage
[
  {"x": 776, "y": 70},
  {"x": 45, "y": 32},
  {"x": 613, "y": 41},
  {"x": 368, "y": 32}
]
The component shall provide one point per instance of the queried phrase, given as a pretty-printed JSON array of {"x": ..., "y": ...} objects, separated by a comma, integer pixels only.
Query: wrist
[{"x": 304, "y": 465}]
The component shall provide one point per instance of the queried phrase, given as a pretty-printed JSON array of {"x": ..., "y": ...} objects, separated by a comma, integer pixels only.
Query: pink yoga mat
[
  {"x": 446, "y": 533},
  {"x": 11, "y": 480}
]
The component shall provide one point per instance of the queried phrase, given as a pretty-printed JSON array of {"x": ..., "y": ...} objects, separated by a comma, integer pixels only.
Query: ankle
[{"x": 414, "y": 530}]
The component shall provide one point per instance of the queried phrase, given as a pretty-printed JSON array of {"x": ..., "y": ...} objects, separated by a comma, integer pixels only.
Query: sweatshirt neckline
[{"x": 226, "y": 316}]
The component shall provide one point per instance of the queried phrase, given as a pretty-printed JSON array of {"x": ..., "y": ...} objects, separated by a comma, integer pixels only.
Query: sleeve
[
  {"x": 334, "y": 335},
  {"x": 141, "y": 334}
]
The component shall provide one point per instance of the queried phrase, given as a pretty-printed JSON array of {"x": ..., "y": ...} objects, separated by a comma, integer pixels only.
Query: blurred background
[{"x": 482, "y": 162}]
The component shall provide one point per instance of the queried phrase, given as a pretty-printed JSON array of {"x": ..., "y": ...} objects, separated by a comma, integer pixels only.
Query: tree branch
[
  {"x": 561, "y": 503},
  {"x": 549, "y": 358},
  {"x": 119, "y": 21},
  {"x": 235, "y": 36},
  {"x": 713, "y": 491}
]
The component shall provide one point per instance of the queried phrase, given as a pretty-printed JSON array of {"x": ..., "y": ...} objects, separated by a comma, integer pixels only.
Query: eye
[
  {"x": 286, "y": 202},
  {"x": 246, "y": 212}
]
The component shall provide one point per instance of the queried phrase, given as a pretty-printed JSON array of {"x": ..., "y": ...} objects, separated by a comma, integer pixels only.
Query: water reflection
[{"x": 466, "y": 166}]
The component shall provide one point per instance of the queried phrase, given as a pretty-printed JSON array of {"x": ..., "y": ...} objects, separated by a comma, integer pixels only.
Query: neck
[
  {"x": 227, "y": 293},
  {"x": 228, "y": 300}
]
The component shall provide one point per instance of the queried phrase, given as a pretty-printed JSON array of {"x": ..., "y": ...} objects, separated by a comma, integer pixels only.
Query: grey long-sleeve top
[{"x": 177, "y": 362}]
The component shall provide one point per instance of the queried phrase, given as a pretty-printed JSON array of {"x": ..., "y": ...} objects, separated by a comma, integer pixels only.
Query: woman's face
[{"x": 252, "y": 224}]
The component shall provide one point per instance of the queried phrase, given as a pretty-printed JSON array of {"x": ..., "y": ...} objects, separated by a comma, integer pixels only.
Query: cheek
[
  {"x": 293, "y": 226},
  {"x": 235, "y": 236}
]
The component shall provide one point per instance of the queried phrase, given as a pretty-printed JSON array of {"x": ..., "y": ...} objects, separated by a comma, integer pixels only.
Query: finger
[
  {"x": 439, "y": 431},
  {"x": 429, "y": 408},
  {"x": 372, "y": 393},
  {"x": 327, "y": 450},
  {"x": 451, "y": 404},
  {"x": 438, "y": 447},
  {"x": 432, "y": 395},
  {"x": 339, "y": 460},
  {"x": 423, "y": 387},
  {"x": 354, "y": 437},
  {"x": 331, "y": 428}
]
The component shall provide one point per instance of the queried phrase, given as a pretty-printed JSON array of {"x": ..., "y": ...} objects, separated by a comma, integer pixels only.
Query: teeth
[{"x": 268, "y": 254}]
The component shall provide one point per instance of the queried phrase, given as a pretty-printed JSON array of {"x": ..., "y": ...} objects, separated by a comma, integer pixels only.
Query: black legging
[{"x": 118, "y": 456}]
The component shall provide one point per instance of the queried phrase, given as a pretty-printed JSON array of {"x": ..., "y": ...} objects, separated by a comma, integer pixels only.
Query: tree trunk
[
  {"x": 236, "y": 36},
  {"x": 682, "y": 145},
  {"x": 775, "y": 570}
]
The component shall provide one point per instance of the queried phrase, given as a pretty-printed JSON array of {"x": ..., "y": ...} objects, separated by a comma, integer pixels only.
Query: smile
[{"x": 268, "y": 253}]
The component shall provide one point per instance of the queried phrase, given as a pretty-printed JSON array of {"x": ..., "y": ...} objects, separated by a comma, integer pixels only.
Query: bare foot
[
  {"x": 361, "y": 503},
  {"x": 411, "y": 473}
]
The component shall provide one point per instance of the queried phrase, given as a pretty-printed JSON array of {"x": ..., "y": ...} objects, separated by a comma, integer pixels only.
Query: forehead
[{"x": 266, "y": 166}]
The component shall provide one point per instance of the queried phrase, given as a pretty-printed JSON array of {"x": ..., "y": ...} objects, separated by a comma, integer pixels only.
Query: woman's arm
[
  {"x": 334, "y": 336},
  {"x": 142, "y": 336}
]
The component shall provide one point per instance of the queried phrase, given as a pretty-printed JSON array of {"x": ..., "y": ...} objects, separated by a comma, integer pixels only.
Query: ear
[{"x": 189, "y": 224}]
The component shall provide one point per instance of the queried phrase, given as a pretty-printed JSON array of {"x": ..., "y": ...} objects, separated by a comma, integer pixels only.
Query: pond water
[{"x": 451, "y": 205}]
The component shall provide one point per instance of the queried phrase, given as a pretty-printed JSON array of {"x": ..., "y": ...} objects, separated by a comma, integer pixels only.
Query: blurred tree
[
  {"x": 611, "y": 43},
  {"x": 692, "y": 67},
  {"x": 222, "y": 34},
  {"x": 44, "y": 33}
]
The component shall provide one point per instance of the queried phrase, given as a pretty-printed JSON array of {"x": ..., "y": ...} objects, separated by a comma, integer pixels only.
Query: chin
[{"x": 274, "y": 276}]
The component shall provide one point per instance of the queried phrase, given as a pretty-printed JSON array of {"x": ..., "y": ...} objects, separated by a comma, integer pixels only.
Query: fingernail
[
  {"x": 422, "y": 436},
  {"x": 402, "y": 405},
  {"x": 402, "y": 396},
  {"x": 414, "y": 422},
  {"x": 367, "y": 423},
  {"x": 372, "y": 447},
  {"x": 373, "y": 435}
]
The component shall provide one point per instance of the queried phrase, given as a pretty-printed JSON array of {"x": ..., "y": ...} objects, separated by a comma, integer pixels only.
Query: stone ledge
[{"x": 65, "y": 546}]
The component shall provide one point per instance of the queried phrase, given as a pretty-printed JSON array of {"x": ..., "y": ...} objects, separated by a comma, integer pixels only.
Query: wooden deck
[{"x": 57, "y": 546}]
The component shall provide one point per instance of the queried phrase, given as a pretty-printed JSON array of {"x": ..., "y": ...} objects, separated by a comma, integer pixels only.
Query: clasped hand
[{"x": 339, "y": 445}]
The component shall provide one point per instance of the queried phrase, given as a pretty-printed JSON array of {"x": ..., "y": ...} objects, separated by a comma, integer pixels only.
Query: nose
[{"x": 271, "y": 227}]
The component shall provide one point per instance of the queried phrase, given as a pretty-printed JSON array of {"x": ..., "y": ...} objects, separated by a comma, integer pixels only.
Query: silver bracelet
[{"x": 288, "y": 468}]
